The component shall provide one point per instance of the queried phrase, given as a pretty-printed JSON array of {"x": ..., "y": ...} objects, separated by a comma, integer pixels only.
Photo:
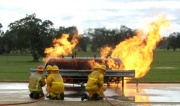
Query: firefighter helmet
[
  {"x": 55, "y": 68},
  {"x": 48, "y": 67},
  {"x": 96, "y": 66},
  {"x": 103, "y": 67},
  {"x": 40, "y": 68}
]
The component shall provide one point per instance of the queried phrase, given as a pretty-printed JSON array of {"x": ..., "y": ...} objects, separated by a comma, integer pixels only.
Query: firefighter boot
[
  {"x": 31, "y": 95},
  {"x": 85, "y": 96},
  {"x": 35, "y": 95},
  {"x": 62, "y": 96},
  {"x": 52, "y": 98},
  {"x": 97, "y": 97}
]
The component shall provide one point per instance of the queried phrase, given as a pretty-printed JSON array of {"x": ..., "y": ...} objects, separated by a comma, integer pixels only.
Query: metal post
[
  {"x": 122, "y": 86},
  {"x": 122, "y": 82},
  {"x": 136, "y": 82}
]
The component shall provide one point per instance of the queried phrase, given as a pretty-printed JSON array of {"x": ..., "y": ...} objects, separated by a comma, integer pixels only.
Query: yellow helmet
[
  {"x": 55, "y": 68},
  {"x": 48, "y": 67},
  {"x": 96, "y": 66},
  {"x": 103, "y": 67}
]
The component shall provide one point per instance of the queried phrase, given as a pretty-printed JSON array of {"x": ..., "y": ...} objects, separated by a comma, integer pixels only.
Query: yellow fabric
[
  {"x": 36, "y": 82},
  {"x": 97, "y": 90},
  {"x": 55, "y": 84},
  {"x": 95, "y": 83},
  {"x": 101, "y": 71},
  {"x": 55, "y": 68},
  {"x": 96, "y": 66},
  {"x": 48, "y": 69},
  {"x": 48, "y": 73},
  {"x": 54, "y": 94},
  {"x": 103, "y": 67}
]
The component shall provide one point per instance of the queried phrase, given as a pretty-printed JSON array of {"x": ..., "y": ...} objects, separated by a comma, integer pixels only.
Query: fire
[
  {"x": 137, "y": 52},
  {"x": 93, "y": 63},
  {"x": 105, "y": 51},
  {"x": 62, "y": 47}
]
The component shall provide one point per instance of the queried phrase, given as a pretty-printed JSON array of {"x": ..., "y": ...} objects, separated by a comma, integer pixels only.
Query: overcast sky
[{"x": 92, "y": 13}]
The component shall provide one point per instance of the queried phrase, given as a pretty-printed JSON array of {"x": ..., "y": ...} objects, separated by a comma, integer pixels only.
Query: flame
[
  {"x": 105, "y": 51},
  {"x": 106, "y": 58},
  {"x": 92, "y": 63},
  {"x": 62, "y": 47},
  {"x": 137, "y": 52}
]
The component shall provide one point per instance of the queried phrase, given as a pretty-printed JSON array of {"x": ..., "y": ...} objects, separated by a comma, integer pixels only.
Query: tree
[
  {"x": 172, "y": 41},
  {"x": 33, "y": 34},
  {"x": 2, "y": 45},
  {"x": 101, "y": 37},
  {"x": 178, "y": 40},
  {"x": 1, "y": 31},
  {"x": 163, "y": 43},
  {"x": 83, "y": 43}
]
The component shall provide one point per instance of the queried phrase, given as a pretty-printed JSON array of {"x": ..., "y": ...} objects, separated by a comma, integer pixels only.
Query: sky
[{"x": 92, "y": 13}]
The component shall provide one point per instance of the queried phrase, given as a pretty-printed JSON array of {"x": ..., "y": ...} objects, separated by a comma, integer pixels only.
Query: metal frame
[{"x": 81, "y": 76}]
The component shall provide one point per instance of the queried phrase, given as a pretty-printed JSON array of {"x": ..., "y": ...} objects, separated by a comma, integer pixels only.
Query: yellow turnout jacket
[
  {"x": 95, "y": 80},
  {"x": 55, "y": 82},
  {"x": 36, "y": 82}
]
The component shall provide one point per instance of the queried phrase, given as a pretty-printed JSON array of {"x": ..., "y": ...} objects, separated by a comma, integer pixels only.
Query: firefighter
[
  {"x": 94, "y": 86},
  {"x": 36, "y": 82},
  {"x": 55, "y": 84},
  {"x": 48, "y": 69}
]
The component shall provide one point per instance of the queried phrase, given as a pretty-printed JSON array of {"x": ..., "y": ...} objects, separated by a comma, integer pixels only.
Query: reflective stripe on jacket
[
  {"x": 55, "y": 81},
  {"x": 36, "y": 82},
  {"x": 95, "y": 80}
]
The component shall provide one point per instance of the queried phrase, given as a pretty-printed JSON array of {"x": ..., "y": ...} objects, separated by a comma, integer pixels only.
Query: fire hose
[
  {"x": 107, "y": 99},
  {"x": 20, "y": 103}
]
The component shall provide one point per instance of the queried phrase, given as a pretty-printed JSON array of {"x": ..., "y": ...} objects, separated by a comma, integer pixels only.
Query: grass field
[{"x": 164, "y": 68}]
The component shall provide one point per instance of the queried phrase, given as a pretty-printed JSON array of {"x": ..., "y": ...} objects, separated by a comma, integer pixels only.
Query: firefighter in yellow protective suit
[
  {"x": 48, "y": 69},
  {"x": 55, "y": 84},
  {"x": 94, "y": 85},
  {"x": 36, "y": 82}
]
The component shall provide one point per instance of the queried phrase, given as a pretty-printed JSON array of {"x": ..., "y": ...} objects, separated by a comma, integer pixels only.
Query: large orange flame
[
  {"x": 137, "y": 52},
  {"x": 62, "y": 47}
]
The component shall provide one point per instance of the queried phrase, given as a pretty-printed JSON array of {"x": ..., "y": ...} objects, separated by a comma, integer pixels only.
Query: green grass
[
  {"x": 15, "y": 68},
  {"x": 164, "y": 68}
]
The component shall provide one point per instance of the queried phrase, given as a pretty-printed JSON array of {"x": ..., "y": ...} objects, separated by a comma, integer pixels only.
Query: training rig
[{"x": 76, "y": 69}]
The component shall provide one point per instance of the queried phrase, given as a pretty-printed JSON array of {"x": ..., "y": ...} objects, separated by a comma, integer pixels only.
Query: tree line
[{"x": 31, "y": 34}]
